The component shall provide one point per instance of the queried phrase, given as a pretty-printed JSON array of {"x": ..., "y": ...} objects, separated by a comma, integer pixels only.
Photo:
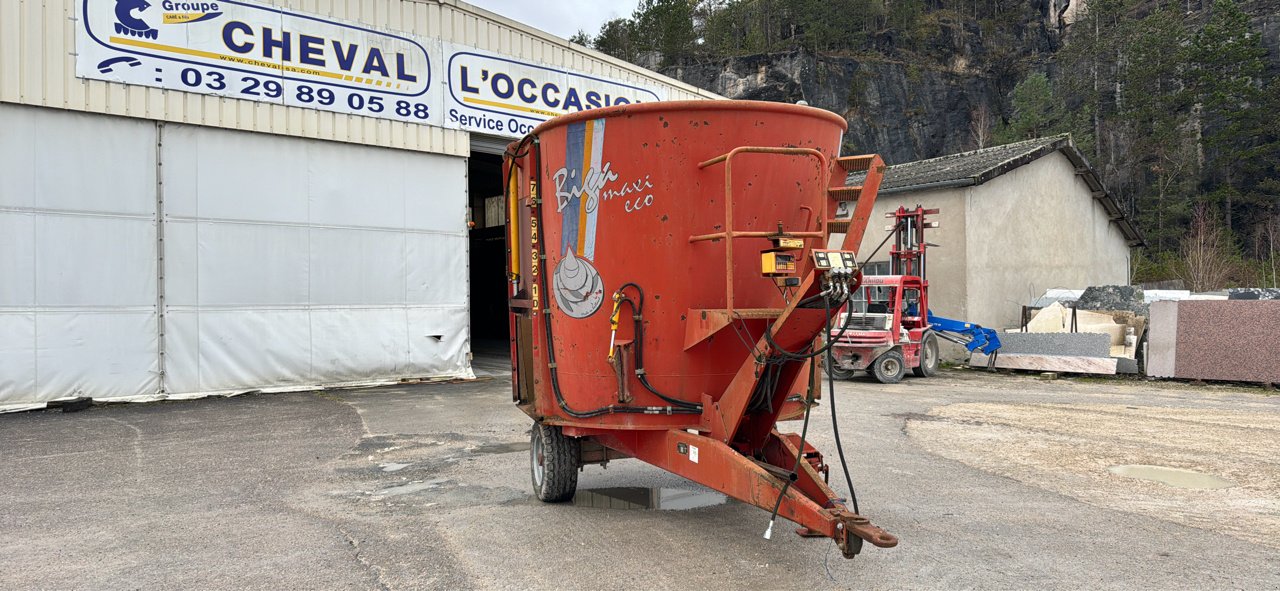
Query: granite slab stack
[
  {"x": 1081, "y": 352},
  {"x": 1227, "y": 340},
  {"x": 1078, "y": 344},
  {"x": 1057, "y": 331}
]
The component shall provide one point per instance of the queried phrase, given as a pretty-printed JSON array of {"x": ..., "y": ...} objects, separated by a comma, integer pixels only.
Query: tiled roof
[
  {"x": 976, "y": 166},
  {"x": 980, "y": 166}
]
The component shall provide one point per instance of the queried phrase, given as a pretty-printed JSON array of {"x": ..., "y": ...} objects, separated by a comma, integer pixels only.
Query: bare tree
[
  {"x": 980, "y": 126},
  {"x": 1266, "y": 247},
  {"x": 1207, "y": 259}
]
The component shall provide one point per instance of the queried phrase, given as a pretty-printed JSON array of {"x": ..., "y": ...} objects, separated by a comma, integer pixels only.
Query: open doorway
[{"x": 489, "y": 330}]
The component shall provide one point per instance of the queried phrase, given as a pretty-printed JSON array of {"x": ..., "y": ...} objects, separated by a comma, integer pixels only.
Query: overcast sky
[{"x": 562, "y": 18}]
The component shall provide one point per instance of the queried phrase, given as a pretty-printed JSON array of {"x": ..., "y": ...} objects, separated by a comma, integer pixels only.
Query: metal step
[{"x": 855, "y": 163}]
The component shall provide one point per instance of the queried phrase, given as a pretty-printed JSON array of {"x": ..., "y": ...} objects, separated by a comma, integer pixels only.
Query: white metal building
[{"x": 214, "y": 196}]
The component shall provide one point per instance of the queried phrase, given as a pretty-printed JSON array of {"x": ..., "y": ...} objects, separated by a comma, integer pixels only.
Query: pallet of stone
[{"x": 1054, "y": 363}]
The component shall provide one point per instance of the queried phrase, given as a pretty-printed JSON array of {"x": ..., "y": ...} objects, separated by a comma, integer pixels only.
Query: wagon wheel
[{"x": 553, "y": 463}]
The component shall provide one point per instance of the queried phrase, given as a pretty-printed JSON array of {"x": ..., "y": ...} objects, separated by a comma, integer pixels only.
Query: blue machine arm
[{"x": 972, "y": 336}]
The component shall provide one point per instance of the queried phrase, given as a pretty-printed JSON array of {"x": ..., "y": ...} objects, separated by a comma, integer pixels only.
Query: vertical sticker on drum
[{"x": 578, "y": 288}]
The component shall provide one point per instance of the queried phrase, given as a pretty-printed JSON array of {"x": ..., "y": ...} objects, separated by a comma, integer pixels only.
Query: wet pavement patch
[
  {"x": 501, "y": 448},
  {"x": 1175, "y": 477},
  {"x": 661, "y": 499}
]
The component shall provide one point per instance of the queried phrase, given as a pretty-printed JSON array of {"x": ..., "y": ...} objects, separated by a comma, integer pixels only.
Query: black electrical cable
[
  {"x": 891, "y": 234},
  {"x": 551, "y": 355},
  {"x": 804, "y": 433},
  {"x": 767, "y": 385},
  {"x": 524, "y": 142},
  {"x": 835, "y": 430},
  {"x": 802, "y": 355},
  {"x": 831, "y": 390}
]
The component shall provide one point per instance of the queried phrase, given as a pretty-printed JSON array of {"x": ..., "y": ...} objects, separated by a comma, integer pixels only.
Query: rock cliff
[{"x": 945, "y": 96}]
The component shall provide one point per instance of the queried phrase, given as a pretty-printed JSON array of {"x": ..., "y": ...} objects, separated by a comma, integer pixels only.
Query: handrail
[{"x": 730, "y": 234}]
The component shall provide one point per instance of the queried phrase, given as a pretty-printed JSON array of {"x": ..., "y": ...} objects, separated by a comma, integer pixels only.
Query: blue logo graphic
[{"x": 128, "y": 24}]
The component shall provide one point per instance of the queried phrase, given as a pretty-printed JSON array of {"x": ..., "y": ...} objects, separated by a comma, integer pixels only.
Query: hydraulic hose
[
  {"x": 801, "y": 355},
  {"x": 641, "y": 375}
]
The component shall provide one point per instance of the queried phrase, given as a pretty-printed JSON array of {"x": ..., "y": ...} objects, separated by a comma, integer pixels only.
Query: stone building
[{"x": 1014, "y": 220}]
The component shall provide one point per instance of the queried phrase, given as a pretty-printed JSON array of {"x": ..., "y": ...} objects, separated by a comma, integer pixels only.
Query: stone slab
[
  {"x": 1050, "y": 319},
  {"x": 1058, "y": 363},
  {"x": 1113, "y": 297},
  {"x": 1127, "y": 365},
  {"x": 1253, "y": 293},
  {"x": 1228, "y": 340},
  {"x": 1058, "y": 319},
  {"x": 1081, "y": 344},
  {"x": 1160, "y": 295},
  {"x": 1162, "y": 339}
]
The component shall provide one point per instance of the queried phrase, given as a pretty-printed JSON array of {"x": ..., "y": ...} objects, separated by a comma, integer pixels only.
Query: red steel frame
[{"x": 741, "y": 455}]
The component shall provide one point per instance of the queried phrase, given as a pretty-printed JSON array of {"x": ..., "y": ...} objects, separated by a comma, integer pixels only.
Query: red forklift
[{"x": 887, "y": 327}]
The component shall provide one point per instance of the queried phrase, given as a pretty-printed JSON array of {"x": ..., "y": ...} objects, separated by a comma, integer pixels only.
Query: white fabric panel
[
  {"x": 438, "y": 341},
  {"x": 92, "y": 163},
  {"x": 238, "y": 350},
  {"x": 181, "y": 263},
  {"x": 17, "y": 156},
  {"x": 77, "y": 257},
  {"x": 221, "y": 175},
  {"x": 17, "y": 260},
  {"x": 181, "y": 350},
  {"x": 434, "y": 268},
  {"x": 17, "y": 357},
  {"x": 360, "y": 187},
  {"x": 362, "y": 345},
  {"x": 103, "y": 355},
  {"x": 95, "y": 261},
  {"x": 60, "y": 160},
  {"x": 240, "y": 264},
  {"x": 435, "y": 191},
  {"x": 357, "y": 267},
  {"x": 301, "y": 267}
]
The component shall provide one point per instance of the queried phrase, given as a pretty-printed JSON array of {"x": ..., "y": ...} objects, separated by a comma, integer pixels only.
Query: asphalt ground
[{"x": 990, "y": 481}]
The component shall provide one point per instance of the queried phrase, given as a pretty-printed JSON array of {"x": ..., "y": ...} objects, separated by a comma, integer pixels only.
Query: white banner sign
[
  {"x": 496, "y": 95},
  {"x": 259, "y": 52}
]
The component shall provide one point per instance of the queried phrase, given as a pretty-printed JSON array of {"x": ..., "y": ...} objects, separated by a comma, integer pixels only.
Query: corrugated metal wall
[{"x": 37, "y": 67}]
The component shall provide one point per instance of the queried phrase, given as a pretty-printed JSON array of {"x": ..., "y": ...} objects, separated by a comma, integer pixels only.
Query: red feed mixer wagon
[{"x": 674, "y": 267}]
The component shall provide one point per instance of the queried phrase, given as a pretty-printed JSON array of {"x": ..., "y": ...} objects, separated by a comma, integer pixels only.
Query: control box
[
  {"x": 773, "y": 263},
  {"x": 825, "y": 260}
]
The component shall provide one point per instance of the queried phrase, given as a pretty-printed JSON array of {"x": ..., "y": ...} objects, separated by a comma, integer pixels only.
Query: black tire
[
  {"x": 929, "y": 360},
  {"x": 839, "y": 373},
  {"x": 553, "y": 463},
  {"x": 889, "y": 368}
]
